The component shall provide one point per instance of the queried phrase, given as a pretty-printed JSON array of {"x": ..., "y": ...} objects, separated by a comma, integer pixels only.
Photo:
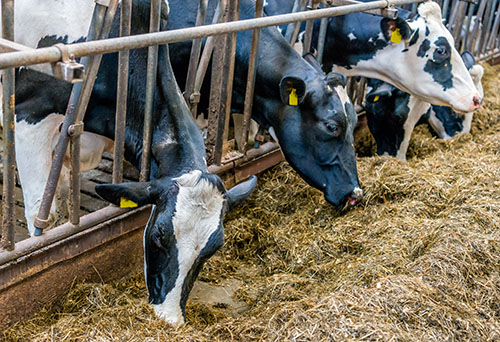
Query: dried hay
[{"x": 418, "y": 260}]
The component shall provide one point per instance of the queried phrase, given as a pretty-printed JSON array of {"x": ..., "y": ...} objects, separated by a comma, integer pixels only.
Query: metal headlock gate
[{"x": 118, "y": 232}]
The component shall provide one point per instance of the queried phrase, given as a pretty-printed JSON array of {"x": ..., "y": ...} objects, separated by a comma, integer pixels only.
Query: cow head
[
  {"x": 417, "y": 55},
  {"x": 315, "y": 133},
  {"x": 184, "y": 230}
]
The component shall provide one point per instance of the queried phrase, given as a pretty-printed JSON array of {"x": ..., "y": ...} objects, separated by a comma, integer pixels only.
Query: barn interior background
[{"x": 427, "y": 267}]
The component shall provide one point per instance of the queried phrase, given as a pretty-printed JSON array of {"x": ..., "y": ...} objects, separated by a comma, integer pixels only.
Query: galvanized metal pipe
[
  {"x": 493, "y": 32},
  {"x": 463, "y": 46},
  {"x": 252, "y": 71},
  {"x": 207, "y": 53},
  {"x": 234, "y": 10},
  {"x": 486, "y": 29},
  {"x": 152, "y": 66},
  {"x": 9, "y": 153},
  {"x": 321, "y": 39},
  {"x": 52, "y": 54},
  {"x": 80, "y": 95},
  {"x": 309, "y": 28},
  {"x": 475, "y": 30},
  {"x": 195, "y": 53},
  {"x": 122, "y": 93},
  {"x": 292, "y": 30}
]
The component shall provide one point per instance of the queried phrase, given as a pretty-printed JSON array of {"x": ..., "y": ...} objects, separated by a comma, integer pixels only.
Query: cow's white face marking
[
  {"x": 405, "y": 70},
  {"x": 197, "y": 215},
  {"x": 351, "y": 36}
]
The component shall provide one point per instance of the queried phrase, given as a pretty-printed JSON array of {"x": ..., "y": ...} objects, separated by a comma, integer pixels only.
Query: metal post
[
  {"x": 457, "y": 26},
  {"x": 216, "y": 112},
  {"x": 122, "y": 91},
  {"x": 292, "y": 30},
  {"x": 321, "y": 39},
  {"x": 475, "y": 30},
  {"x": 205, "y": 59},
  {"x": 80, "y": 95},
  {"x": 467, "y": 28},
  {"x": 195, "y": 53},
  {"x": 488, "y": 18},
  {"x": 444, "y": 7},
  {"x": 493, "y": 32},
  {"x": 154, "y": 26},
  {"x": 309, "y": 28},
  {"x": 234, "y": 6},
  {"x": 252, "y": 70},
  {"x": 9, "y": 153}
]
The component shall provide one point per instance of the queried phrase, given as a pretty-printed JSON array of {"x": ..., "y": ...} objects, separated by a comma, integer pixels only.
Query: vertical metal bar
[
  {"x": 453, "y": 15},
  {"x": 252, "y": 70},
  {"x": 309, "y": 28},
  {"x": 321, "y": 38},
  {"x": 154, "y": 26},
  {"x": 229, "y": 70},
  {"x": 445, "y": 6},
  {"x": 216, "y": 112},
  {"x": 488, "y": 18},
  {"x": 470, "y": 13},
  {"x": 74, "y": 176},
  {"x": 9, "y": 156},
  {"x": 475, "y": 30},
  {"x": 457, "y": 27},
  {"x": 122, "y": 91},
  {"x": 195, "y": 52},
  {"x": 493, "y": 32},
  {"x": 292, "y": 36},
  {"x": 204, "y": 60},
  {"x": 80, "y": 95}
]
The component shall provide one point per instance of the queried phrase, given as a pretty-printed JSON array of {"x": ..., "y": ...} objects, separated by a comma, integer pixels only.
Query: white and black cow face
[
  {"x": 417, "y": 55},
  {"x": 184, "y": 230},
  {"x": 316, "y": 136}
]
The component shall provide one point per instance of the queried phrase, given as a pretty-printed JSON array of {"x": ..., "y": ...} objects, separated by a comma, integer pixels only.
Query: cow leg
[
  {"x": 35, "y": 143},
  {"x": 92, "y": 146},
  {"x": 417, "y": 109}
]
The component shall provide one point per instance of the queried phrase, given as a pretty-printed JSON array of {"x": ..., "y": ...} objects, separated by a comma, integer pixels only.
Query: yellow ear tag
[
  {"x": 293, "y": 100},
  {"x": 376, "y": 98},
  {"x": 126, "y": 203},
  {"x": 396, "y": 36}
]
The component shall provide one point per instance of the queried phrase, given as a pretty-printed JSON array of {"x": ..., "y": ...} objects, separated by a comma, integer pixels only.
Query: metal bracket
[
  {"x": 68, "y": 69},
  {"x": 194, "y": 98},
  {"x": 104, "y": 3},
  {"x": 75, "y": 129}
]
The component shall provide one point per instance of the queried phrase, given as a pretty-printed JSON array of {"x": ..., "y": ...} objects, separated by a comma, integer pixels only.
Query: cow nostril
[
  {"x": 477, "y": 101},
  {"x": 355, "y": 196}
]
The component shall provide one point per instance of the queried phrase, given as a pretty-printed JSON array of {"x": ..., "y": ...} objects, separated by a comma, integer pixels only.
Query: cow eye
[
  {"x": 332, "y": 128},
  {"x": 441, "y": 51}
]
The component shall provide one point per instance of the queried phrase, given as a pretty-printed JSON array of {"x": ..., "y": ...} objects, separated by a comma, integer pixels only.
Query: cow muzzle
[{"x": 355, "y": 197}]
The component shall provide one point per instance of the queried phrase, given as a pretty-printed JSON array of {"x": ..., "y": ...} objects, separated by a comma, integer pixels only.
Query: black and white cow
[
  {"x": 393, "y": 114},
  {"x": 415, "y": 53},
  {"x": 315, "y": 133},
  {"x": 185, "y": 227}
]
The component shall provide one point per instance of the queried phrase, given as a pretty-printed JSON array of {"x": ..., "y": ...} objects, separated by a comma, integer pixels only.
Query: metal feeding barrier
[
  {"x": 22, "y": 260},
  {"x": 222, "y": 154}
]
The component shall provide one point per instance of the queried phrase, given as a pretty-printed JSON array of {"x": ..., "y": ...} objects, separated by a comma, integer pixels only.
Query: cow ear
[
  {"x": 334, "y": 79},
  {"x": 468, "y": 59},
  {"x": 292, "y": 90},
  {"x": 126, "y": 195},
  {"x": 239, "y": 193},
  {"x": 395, "y": 30},
  {"x": 384, "y": 89}
]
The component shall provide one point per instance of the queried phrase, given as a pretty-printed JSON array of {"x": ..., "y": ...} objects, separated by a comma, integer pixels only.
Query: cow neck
[{"x": 178, "y": 146}]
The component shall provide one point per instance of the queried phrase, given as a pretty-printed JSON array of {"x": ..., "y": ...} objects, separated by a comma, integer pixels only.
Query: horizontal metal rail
[{"x": 53, "y": 54}]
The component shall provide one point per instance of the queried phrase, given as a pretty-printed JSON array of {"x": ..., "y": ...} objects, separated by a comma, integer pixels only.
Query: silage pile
[{"x": 418, "y": 260}]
